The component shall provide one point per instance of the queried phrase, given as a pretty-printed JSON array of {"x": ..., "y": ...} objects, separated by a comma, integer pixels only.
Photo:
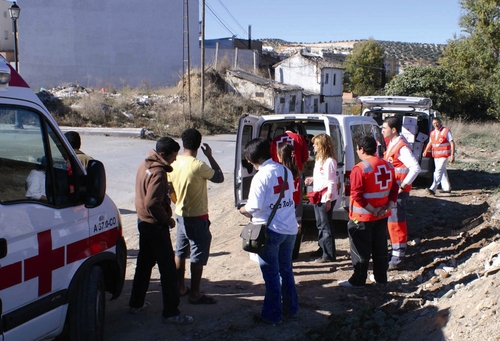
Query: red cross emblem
[
  {"x": 383, "y": 177},
  {"x": 283, "y": 139},
  {"x": 41, "y": 266},
  {"x": 277, "y": 188}
]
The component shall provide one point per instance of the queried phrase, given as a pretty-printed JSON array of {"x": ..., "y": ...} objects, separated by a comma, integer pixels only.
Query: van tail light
[{"x": 347, "y": 184}]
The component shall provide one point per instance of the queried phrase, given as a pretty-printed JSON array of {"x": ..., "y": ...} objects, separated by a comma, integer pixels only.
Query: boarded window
[{"x": 292, "y": 103}]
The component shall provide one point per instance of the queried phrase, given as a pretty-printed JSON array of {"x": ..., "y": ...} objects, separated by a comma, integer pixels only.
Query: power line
[
  {"x": 231, "y": 15},
  {"x": 212, "y": 12}
]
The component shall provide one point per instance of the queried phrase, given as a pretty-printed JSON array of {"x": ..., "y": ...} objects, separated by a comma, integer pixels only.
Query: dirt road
[{"x": 446, "y": 229}]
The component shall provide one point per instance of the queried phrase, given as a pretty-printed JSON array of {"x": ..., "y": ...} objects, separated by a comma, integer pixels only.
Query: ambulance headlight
[{"x": 4, "y": 77}]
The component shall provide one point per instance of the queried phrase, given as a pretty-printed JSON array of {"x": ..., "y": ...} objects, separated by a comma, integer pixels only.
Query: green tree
[
  {"x": 364, "y": 68},
  {"x": 474, "y": 59},
  {"x": 437, "y": 83}
]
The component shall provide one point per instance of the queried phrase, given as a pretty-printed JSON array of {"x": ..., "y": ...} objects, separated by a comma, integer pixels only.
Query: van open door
[{"x": 243, "y": 170}]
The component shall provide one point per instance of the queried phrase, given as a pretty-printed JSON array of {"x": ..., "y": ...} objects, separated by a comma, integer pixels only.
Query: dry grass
[{"x": 165, "y": 111}]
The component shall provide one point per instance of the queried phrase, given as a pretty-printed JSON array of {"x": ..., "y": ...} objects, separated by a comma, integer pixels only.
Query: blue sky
[{"x": 422, "y": 21}]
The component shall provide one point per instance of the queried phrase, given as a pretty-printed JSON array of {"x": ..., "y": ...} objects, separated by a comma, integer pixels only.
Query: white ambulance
[
  {"x": 61, "y": 243},
  {"x": 416, "y": 115}
]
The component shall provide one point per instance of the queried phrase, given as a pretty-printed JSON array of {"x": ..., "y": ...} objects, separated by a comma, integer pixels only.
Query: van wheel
[{"x": 86, "y": 309}]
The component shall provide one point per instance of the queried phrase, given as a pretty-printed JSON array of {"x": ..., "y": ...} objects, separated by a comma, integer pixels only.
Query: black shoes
[{"x": 430, "y": 191}]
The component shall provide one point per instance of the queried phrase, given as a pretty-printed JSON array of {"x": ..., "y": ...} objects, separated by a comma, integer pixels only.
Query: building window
[
  {"x": 292, "y": 103},
  {"x": 259, "y": 94},
  {"x": 282, "y": 100},
  {"x": 334, "y": 78},
  {"x": 5, "y": 14},
  {"x": 6, "y": 34},
  {"x": 326, "y": 78}
]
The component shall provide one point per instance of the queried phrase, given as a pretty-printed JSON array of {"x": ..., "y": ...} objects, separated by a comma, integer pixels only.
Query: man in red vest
[
  {"x": 442, "y": 146},
  {"x": 406, "y": 168},
  {"x": 374, "y": 191}
]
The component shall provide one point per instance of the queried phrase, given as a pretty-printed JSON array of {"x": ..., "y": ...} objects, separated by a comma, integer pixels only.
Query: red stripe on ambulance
[
  {"x": 11, "y": 275},
  {"x": 49, "y": 259}
]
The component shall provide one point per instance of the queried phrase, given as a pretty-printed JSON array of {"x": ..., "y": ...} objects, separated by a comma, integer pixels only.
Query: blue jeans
[
  {"x": 326, "y": 232},
  {"x": 275, "y": 262}
]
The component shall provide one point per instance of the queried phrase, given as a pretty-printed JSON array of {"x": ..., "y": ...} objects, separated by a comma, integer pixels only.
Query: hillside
[{"x": 405, "y": 53}]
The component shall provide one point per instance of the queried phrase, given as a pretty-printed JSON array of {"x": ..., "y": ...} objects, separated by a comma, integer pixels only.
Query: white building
[
  {"x": 105, "y": 43},
  {"x": 6, "y": 31},
  {"x": 321, "y": 80}
]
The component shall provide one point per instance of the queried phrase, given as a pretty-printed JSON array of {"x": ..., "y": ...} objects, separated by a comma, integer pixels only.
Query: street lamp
[{"x": 14, "y": 12}]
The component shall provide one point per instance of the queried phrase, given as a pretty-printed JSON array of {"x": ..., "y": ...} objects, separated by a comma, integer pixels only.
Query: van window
[
  {"x": 28, "y": 163},
  {"x": 357, "y": 131}
]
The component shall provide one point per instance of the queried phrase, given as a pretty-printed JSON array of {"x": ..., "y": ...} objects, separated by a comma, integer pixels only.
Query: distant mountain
[{"x": 405, "y": 53}]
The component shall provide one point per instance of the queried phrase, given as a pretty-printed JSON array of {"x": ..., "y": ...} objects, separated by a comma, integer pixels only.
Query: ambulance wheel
[{"x": 86, "y": 310}]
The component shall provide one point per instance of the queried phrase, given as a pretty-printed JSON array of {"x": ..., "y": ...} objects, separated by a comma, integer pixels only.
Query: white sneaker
[
  {"x": 179, "y": 319},
  {"x": 372, "y": 278},
  {"x": 135, "y": 311},
  {"x": 347, "y": 284}
]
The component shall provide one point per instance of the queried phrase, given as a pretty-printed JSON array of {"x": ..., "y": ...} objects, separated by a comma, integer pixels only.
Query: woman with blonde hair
[{"x": 324, "y": 180}]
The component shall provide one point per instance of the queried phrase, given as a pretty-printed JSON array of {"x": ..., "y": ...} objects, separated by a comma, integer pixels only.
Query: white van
[
  {"x": 344, "y": 130},
  {"x": 416, "y": 115},
  {"x": 61, "y": 243}
]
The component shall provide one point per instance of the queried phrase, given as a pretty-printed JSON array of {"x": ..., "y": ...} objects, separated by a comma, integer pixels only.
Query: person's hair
[
  {"x": 285, "y": 151},
  {"x": 368, "y": 143},
  {"x": 325, "y": 148},
  {"x": 257, "y": 151},
  {"x": 191, "y": 139},
  {"x": 394, "y": 122},
  {"x": 437, "y": 119},
  {"x": 167, "y": 146},
  {"x": 74, "y": 139}
]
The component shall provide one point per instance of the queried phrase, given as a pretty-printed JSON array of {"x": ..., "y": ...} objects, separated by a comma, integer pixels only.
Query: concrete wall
[
  {"x": 225, "y": 58},
  {"x": 334, "y": 86},
  {"x": 296, "y": 70},
  {"x": 98, "y": 43},
  {"x": 262, "y": 94}
]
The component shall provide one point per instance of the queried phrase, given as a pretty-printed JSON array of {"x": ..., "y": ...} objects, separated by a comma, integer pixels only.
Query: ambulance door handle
[{"x": 3, "y": 247}]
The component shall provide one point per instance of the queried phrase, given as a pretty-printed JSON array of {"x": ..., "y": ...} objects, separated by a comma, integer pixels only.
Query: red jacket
[
  {"x": 391, "y": 156},
  {"x": 372, "y": 182},
  {"x": 441, "y": 147}
]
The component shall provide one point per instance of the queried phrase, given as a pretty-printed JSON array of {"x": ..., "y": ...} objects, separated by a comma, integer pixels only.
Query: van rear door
[{"x": 248, "y": 129}]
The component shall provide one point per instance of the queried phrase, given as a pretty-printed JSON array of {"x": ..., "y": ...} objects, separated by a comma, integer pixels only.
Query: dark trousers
[
  {"x": 368, "y": 240},
  {"x": 155, "y": 247},
  {"x": 326, "y": 236}
]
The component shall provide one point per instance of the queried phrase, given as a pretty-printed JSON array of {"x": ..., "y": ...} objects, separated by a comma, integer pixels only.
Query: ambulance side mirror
[
  {"x": 3, "y": 248},
  {"x": 96, "y": 184}
]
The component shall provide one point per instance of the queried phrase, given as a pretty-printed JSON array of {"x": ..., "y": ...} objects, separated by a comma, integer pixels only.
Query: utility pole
[
  {"x": 186, "y": 65},
  {"x": 202, "y": 85}
]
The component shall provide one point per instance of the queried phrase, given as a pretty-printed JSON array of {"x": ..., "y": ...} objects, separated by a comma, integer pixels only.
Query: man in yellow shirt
[{"x": 189, "y": 185}]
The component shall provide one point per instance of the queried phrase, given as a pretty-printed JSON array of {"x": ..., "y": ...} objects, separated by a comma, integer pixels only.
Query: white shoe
[
  {"x": 347, "y": 284},
  {"x": 180, "y": 319},
  {"x": 372, "y": 278}
]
